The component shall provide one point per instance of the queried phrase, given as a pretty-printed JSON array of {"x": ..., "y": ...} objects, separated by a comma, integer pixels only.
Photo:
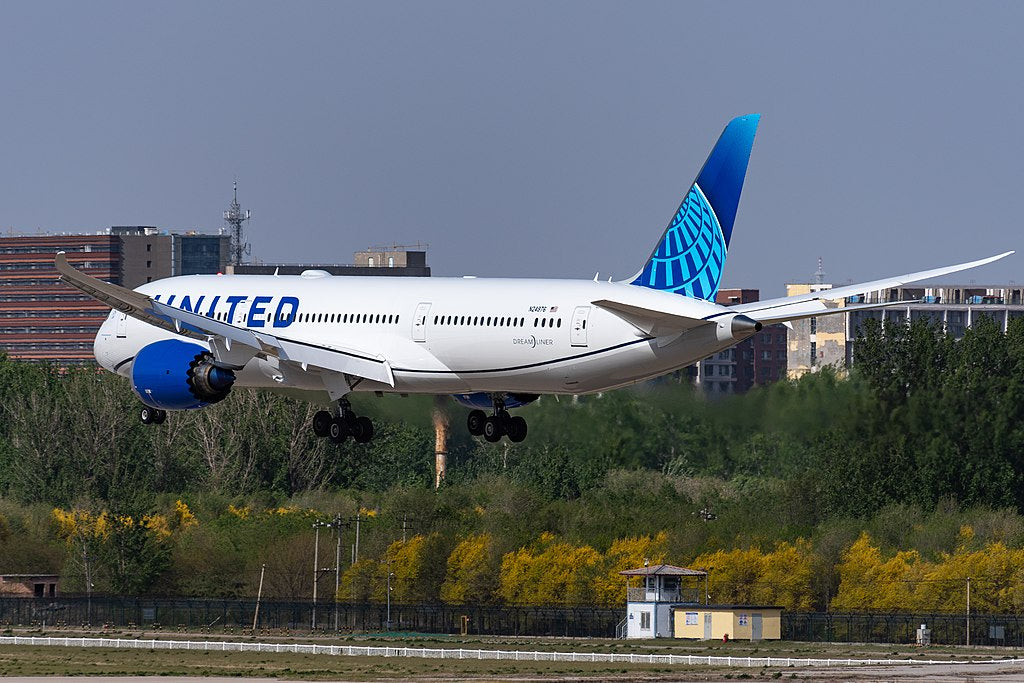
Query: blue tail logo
[{"x": 690, "y": 256}]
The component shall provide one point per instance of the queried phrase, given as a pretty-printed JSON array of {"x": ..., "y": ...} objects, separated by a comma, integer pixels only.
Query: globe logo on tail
[{"x": 690, "y": 257}]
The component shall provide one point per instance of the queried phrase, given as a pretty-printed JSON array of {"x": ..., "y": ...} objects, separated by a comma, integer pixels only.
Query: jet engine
[{"x": 178, "y": 375}]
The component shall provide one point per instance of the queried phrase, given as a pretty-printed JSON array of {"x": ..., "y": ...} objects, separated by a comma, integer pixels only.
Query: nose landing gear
[
  {"x": 496, "y": 426},
  {"x": 338, "y": 428}
]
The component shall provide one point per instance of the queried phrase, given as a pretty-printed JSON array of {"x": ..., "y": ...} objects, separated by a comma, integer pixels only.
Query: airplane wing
[
  {"x": 813, "y": 304},
  {"x": 230, "y": 344}
]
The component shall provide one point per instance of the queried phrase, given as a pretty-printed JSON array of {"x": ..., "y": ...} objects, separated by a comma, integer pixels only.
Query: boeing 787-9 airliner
[{"x": 492, "y": 344}]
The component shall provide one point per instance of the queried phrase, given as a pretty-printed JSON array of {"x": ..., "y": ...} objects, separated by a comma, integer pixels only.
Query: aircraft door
[
  {"x": 419, "y": 322},
  {"x": 122, "y": 325},
  {"x": 578, "y": 328}
]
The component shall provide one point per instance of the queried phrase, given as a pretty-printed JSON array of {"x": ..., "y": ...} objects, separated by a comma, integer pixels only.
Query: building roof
[
  {"x": 29, "y": 576},
  {"x": 695, "y": 607},
  {"x": 663, "y": 570}
]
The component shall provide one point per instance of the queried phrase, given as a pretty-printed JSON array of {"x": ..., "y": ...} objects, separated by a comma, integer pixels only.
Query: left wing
[
  {"x": 813, "y": 304},
  {"x": 231, "y": 345}
]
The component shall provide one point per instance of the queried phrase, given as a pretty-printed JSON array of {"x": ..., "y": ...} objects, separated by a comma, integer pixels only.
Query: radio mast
[{"x": 234, "y": 217}]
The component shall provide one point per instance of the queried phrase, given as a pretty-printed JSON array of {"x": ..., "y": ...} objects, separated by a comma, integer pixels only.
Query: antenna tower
[
  {"x": 234, "y": 217},
  {"x": 819, "y": 275}
]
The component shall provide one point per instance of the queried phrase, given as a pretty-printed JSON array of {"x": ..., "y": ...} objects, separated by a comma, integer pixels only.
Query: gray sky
[{"x": 549, "y": 139}]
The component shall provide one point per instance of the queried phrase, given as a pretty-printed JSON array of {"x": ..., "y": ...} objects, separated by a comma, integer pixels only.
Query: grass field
[{"x": 64, "y": 661}]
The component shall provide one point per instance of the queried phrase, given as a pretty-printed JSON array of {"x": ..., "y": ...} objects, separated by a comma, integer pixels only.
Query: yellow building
[{"x": 739, "y": 622}]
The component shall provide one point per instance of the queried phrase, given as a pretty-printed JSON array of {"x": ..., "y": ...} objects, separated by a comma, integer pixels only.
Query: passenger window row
[
  {"x": 494, "y": 321},
  {"x": 342, "y": 318}
]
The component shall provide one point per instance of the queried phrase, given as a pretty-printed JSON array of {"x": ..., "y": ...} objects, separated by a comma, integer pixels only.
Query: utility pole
[
  {"x": 968, "y": 611},
  {"x": 337, "y": 567},
  {"x": 390, "y": 575},
  {"x": 316, "y": 567},
  {"x": 355, "y": 545},
  {"x": 259, "y": 595},
  {"x": 405, "y": 526}
]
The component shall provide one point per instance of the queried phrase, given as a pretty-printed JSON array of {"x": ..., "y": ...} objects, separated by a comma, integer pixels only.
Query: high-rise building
[
  {"x": 42, "y": 319},
  {"x": 760, "y": 359}
]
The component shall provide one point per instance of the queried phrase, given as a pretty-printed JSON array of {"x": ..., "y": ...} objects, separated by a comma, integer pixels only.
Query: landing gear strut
[
  {"x": 346, "y": 423},
  {"x": 497, "y": 425},
  {"x": 152, "y": 416}
]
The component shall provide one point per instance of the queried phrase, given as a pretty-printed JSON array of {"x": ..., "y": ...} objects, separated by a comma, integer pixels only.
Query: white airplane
[{"x": 493, "y": 344}]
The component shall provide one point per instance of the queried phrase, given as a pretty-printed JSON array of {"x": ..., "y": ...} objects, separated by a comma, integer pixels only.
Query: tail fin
[{"x": 690, "y": 256}]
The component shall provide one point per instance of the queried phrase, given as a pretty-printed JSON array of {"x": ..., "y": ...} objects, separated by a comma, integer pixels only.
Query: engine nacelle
[
  {"x": 482, "y": 400},
  {"x": 178, "y": 375}
]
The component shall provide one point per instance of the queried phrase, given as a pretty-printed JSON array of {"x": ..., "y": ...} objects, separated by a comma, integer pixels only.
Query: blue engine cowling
[
  {"x": 482, "y": 400},
  {"x": 178, "y": 375}
]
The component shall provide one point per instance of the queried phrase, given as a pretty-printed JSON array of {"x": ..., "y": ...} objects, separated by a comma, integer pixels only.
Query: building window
[
  {"x": 814, "y": 354},
  {"x": 814, "y": 325},
  {"x": 645, "y": 621}
]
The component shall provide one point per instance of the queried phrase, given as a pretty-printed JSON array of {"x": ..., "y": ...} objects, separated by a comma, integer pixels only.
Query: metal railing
[{"x": 479, "y": 653}]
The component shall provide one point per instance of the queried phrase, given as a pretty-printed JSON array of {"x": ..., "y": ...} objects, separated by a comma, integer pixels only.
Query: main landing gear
[
  {"x": 496, "y": 426},
  {"x": 152, "y": 416},
  {"x": 346, "y": 423}
]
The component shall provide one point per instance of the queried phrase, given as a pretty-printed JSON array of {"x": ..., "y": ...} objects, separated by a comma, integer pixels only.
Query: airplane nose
[{"x": 742, "y": 325}]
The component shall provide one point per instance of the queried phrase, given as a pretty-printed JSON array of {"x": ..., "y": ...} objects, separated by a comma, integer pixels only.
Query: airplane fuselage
[{"x": 440, "y": 335}]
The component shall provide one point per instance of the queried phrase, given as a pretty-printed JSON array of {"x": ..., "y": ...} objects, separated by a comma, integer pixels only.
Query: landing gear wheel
[
  {"x": 475, "y": 422},
  {"x": 493, "y": 428},
  {"x": 337, "y": 432},
  {"x": 515, "y": 428},
  {"x": 322, "y": 423},
  {"x": 159, "y": 416},
  {"x": 362, "y": 429},
  {"x": 147, "y": 415}
]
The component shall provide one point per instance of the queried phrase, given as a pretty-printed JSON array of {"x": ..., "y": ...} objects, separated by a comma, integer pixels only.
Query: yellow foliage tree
[
  {"x": 552, "y": 573},
  {"x": 183, "y": 516},
  {"x": 627, "y": 553},
  {"x": 472, "y": 572},
  {"x": 868, "y": 582},
  {"x": 752, "y": 577}
]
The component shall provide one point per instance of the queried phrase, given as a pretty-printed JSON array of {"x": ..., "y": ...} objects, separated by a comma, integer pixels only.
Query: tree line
[{"x": 922, "y": 440}]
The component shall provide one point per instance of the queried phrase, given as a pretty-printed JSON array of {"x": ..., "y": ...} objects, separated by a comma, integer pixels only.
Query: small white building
[{"x": 649, "y": 605}]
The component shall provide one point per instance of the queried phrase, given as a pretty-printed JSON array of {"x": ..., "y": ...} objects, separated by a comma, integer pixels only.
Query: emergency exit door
[
  {"x": 419, "y": 322},
  {"x": 578, "y": 327}
]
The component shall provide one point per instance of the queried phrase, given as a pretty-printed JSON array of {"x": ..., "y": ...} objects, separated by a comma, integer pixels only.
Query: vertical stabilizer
[{"x": 690, "y": 256}]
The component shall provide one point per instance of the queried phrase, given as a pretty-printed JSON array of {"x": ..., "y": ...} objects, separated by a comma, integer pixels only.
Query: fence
[
  {"x": 465, "y": 653},
  {"x": 229, "y": 616}
]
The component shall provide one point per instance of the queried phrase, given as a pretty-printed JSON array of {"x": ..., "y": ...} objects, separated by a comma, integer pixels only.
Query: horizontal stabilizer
[{"x": 651, "y": 321}]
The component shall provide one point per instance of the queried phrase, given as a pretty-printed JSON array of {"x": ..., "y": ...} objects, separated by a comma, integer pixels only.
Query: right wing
[
  {"x": 231, "y": 345},
  {"x": 813, "y": 304}
]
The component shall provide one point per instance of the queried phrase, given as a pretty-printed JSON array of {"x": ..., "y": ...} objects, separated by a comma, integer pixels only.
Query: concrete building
[
  {"x": 29, "y": 585},
  {"x": 814, "y": 343},
  {"x": 828, "y": 341},
  {"x": 42, "y": 319},
  {"x": 392, "y": 261},
  {"x": 737, "y": 622},
  {"x": 760, "y": 359}
]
